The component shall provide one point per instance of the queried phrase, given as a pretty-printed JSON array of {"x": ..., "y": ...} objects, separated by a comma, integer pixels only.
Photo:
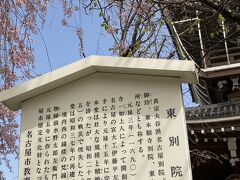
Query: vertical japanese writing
[
  {"x": 28, "y": 156},
  {"x": 103, "y": 139}
]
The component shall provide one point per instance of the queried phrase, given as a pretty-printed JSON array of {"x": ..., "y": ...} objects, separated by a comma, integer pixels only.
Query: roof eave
[{"x": 13, "y": 97}]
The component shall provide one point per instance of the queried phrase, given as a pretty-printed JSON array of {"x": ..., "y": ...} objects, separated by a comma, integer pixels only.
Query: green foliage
[{"x": 220, "y": 18}]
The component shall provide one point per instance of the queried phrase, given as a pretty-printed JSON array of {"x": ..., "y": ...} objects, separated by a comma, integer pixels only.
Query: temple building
[{"x": 212, "y": 41}]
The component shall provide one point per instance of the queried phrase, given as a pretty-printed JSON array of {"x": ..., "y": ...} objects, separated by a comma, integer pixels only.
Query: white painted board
[{"x": 106, "y": 127}]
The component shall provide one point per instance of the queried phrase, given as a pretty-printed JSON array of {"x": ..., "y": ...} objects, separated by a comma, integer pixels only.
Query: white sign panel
[{"x": 106, "y": 127}]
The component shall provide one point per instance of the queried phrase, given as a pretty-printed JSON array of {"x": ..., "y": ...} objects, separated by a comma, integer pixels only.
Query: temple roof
[{"x": 213, "y": 113}]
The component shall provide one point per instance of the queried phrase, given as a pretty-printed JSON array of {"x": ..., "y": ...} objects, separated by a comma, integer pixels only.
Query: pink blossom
[
  {"x": 111, "y": 30},
  {"x": 118, "y": 47}
]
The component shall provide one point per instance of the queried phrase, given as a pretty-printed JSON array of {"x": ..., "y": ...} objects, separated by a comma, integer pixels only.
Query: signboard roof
[{"x": 13, "y": 97}]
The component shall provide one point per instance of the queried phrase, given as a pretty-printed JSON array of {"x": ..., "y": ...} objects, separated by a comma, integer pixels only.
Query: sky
[
  {"x": 59, "y": 46},
  {"x": 62, "y": 44}
]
